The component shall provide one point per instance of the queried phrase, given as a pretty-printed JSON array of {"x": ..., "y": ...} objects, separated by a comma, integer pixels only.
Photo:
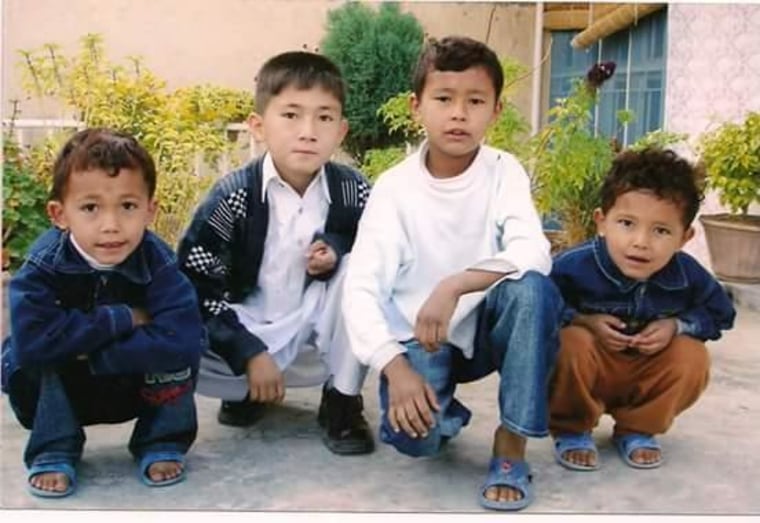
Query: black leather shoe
[
  {"x": 239, "y": 413},
  {"x": 345, "y": 431}
]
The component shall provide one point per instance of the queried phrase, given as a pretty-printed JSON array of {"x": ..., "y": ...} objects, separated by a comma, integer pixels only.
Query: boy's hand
[
  {"x": 432, "y": 325},
  {"x": 655, "y": 336},
  {"x": 265, "y": 383},
  {"x": 139, "y": 317},
  {"x": 607, "y": 329},
  {"x": 321, "y": 258},
  {"x": 411, "y": 400}
]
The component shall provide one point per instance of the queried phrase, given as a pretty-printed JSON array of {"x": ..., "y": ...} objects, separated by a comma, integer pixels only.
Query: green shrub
[
  {"x": 24, "y": 199},
  {"x": 182, "y": 129},
  {"x": 376, "y": 161},
  {"x": 731, "y": 155},
  {"x": 375, "y": 50}
]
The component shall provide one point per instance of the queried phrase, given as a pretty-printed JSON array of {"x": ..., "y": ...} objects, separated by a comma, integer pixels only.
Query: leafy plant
[
  {"x": 24, "y": 199},
  {"x": 183, "y": 130},
  {"x": 731, "y": 156},
  {"x": 375, "y": 50},
  {"x": 376, "y": 161}
]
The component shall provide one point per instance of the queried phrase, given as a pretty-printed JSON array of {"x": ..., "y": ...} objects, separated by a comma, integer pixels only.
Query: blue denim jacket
[
  {"x": 61, "y": 308},
  {"x": 591, "y": 283}
]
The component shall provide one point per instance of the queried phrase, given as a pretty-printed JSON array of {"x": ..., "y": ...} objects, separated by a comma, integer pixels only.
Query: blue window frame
[{"x": 637, "y": 85}]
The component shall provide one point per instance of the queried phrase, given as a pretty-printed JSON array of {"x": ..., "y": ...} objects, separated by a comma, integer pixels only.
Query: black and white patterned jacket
[{"x": 222, "y": 249}]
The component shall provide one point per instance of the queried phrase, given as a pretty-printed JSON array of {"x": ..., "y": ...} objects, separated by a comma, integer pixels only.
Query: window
[{"x": 638, "y": 83}]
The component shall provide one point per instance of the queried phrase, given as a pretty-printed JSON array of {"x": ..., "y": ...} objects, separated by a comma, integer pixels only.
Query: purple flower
[{"x": 599, "y": 73}]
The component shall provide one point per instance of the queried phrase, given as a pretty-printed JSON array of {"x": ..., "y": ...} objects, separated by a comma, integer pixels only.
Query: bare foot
[
  {"x": 164, "y": 470},
  {"x": 646, "y": 456},
  {"x": 584, "y": 458},
  {"x": 511, "y": 446},
  {"x": 50, "y": 481}
]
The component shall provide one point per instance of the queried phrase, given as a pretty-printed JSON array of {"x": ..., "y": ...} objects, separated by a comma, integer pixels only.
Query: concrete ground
[{"x": 712, "y": 460}]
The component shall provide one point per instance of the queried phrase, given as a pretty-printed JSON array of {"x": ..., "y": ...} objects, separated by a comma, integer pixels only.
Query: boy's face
[
  {"x": 106, "y": 214},
  {"x": 456, "y": 108},
  {"x": 302, "y": 128},
  {"x": 642, "y": 232}
]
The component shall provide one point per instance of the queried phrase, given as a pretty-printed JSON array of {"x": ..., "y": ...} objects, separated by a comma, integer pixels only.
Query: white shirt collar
[
  {"x": 269, "y": 173},
  {"x": 92, "y": 262}
]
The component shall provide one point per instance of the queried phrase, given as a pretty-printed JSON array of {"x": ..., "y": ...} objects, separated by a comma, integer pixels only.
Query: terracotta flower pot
[{"x": 734, "y": 245}]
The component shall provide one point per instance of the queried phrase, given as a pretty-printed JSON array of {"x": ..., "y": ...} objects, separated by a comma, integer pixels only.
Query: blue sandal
[
  {"x": 509, "y": 473},
  {"x": 566, "y": 442},
  {"x": 152, "y": 457},
  {"x": 60, "y": 467},
  {"x": 629, "y": 443}
]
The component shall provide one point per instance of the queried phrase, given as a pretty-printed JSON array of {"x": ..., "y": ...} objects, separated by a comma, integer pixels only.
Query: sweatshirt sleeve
[
  {"x": 43, "y": 333},
  {"x": 376, "y": 258},
  {"x": 522, "y": 245}
]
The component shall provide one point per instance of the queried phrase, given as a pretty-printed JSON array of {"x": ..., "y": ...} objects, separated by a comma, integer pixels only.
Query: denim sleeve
[
  {"x": 564, "y": 282},
  {"x": 43, "y": 333},
  {"x": 174, "y": 339},
  {"x": 711, "y": 310},
  {"x": 205, "y": 257}
]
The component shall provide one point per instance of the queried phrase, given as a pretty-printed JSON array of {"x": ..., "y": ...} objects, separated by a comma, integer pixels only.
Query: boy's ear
[
  {"x": 496, "y": 111},
  {"x": 688, "y": 234},
  {"x": 343, "y": 130},
  {"x": 152, "y": 210},
  {"x": 414, "y": 107},
  {"x": 54, "y": 210},
  {"x": 599, "y": 221},
  {"x": 256, "y": 126}
]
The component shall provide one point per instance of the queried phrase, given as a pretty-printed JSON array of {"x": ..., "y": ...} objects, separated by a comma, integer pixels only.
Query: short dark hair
[
  {"x": 660, "y": 171},
  {"x": 105, "y": 149},
  {"x": 302, "y": 69},
  {"x": 457, "y": 53}
]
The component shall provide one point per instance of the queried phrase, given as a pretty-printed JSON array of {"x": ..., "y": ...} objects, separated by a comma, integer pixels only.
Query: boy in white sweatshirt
[{"x": 447, "y": 281}]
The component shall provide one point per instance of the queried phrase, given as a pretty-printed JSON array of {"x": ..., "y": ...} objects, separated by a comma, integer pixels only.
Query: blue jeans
[
  {"x": 517, "y": 336},
  {"x": 56, "y": 403}
]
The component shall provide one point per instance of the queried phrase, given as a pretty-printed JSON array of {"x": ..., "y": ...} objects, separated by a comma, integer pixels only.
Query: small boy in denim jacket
[
  {"x": 104, "y": 326},
  {"x": 637, "y": 314}
]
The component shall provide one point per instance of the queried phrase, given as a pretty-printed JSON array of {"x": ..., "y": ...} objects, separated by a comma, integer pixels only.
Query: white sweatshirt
[{"x": 416, "y": 230}]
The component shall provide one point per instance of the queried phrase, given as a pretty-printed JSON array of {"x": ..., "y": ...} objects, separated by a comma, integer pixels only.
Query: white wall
[{"x": 713, "y": 75}]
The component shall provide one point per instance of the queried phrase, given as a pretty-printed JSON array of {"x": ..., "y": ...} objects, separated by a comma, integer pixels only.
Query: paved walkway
[{"x": 280, "y": 465}]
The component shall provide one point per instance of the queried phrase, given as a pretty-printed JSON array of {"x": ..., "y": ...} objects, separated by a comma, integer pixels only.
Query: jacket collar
[
  {"x": 67, "y": 260},
  {"x": 670, "y": 277}
]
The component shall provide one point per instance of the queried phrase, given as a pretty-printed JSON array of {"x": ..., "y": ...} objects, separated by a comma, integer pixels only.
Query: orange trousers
[{"x": 642, "y": 393}]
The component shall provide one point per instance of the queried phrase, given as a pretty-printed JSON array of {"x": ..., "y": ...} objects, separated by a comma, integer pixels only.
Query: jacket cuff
[
  {"x": 336, "y": 245},
  {"x": 244, "y": 347},
  {"x": 120, "y": 317}
]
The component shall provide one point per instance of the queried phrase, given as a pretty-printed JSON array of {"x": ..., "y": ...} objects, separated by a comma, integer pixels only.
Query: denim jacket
[
  {"x": 61, "y": 308},
  {"x": 591, "y": 283},
  {"x": 222, "y": 249}
]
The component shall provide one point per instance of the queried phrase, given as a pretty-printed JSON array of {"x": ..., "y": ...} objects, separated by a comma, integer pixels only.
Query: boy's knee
[
  {"x": 534, "y": 291},
  {"x": 576, "y": 346},
  {"x": 687, "y": 357}
]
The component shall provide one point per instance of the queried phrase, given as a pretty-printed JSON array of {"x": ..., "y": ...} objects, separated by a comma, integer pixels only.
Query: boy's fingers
[
  {"x": 413, "y": 414},
  {"x": 431, "y": 397},
  {"x": 424, "y": 409},
  {"x": 404, "y": 422}
]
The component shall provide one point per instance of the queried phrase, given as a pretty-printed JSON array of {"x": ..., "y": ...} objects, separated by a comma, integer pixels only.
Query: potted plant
[{"x": 731, "y": 158}]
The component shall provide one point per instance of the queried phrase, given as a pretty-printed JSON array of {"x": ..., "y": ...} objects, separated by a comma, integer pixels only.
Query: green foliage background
[
  {"x": 376, "y": 50},
  {"x": 182, "y": 129}
]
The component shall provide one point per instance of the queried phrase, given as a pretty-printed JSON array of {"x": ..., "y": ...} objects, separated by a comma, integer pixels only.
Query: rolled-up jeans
[
  {"x": 517, "y": 336},
  {"x": 54, "y": 404}
]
